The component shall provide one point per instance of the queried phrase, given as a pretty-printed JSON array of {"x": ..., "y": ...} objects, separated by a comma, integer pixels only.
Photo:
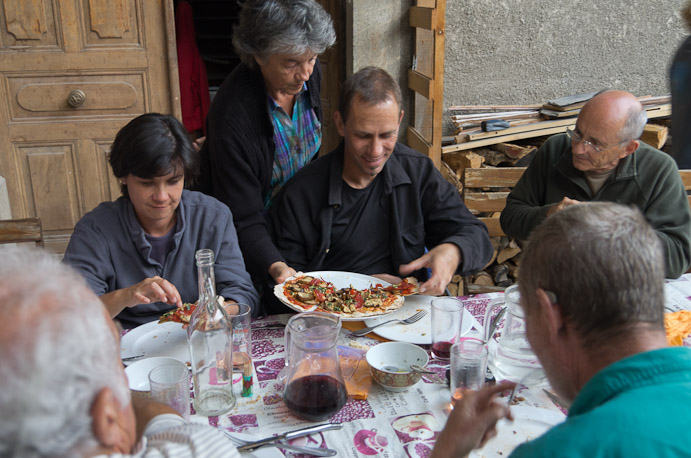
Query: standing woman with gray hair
[{"x": 265, "y": 121}]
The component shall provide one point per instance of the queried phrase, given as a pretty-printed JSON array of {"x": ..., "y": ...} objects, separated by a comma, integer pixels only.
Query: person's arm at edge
[
  {"x": 669, "y": 215},
  {"x": 471, "y": 423},
  {"x": 524, "y": 209},
  {"x": 232, "y": 279},
  {"x": 145, "y": 410}
]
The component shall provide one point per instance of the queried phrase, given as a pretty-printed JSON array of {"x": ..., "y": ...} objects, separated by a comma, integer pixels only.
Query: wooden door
[
  {"x": 333, "y": 74},
  {"x": 72, "y": 73}
]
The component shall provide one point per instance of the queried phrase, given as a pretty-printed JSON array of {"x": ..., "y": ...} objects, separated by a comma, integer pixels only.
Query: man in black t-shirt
[{"x": 374, "y": 206}]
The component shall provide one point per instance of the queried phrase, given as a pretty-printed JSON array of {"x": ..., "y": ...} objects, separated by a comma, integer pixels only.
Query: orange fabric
[
  {"x": 355, "y": 371},
  {"x": 678, "y": 327}
]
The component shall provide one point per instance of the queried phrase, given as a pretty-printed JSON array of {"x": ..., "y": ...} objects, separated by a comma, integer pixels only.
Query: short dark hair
[
  {"x": 604, "y": 263},
  {"x": 373, "y": 85},
  {"x": 267, "y": 27},
  {"x": 153, "y": 145}
]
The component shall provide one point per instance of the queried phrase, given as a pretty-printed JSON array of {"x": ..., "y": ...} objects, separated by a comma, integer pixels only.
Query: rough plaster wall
[
  {"x": 528, "y": 51},
  {"x": 382, "y": 37}
]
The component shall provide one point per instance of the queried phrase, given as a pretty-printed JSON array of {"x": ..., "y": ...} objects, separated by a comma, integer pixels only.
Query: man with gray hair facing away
[
  {"x": 601, "y": 159},
  {"x": 592, "y": 290},
  {"x": 64, "y": 390}
]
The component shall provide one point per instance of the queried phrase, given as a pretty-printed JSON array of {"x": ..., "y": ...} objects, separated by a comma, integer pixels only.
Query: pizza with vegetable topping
[
  {"x": 179, "y": 314},
  {"x": 313, "y": 293}
]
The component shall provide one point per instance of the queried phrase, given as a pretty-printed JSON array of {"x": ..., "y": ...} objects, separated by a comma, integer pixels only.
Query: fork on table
[
  {"x": 410, "y": 320},
  {"x": 295, "y": 448}
]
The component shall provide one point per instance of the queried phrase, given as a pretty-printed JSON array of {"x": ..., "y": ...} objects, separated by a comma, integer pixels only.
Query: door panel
[{"x": 72, "y": 73}]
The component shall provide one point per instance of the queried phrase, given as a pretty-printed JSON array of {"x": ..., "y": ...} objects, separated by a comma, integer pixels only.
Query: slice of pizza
[
  {"x": 407, "y": 287},
  {"x": 180, "y": 314}
]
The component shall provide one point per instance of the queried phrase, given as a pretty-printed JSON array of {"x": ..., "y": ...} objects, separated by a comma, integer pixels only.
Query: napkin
[
  {"x": 678, "y": 327},
  {"x": 355, "y": 371}
]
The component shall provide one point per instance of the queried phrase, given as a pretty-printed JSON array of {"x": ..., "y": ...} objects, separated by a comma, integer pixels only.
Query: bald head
[{"x": 618, "y": 112}]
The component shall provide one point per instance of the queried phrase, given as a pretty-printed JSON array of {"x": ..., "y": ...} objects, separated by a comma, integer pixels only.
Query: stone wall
[{"x": 529, "y": 51}]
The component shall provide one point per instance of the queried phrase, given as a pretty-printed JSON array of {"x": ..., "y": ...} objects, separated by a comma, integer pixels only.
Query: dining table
[{"x": 380, "y": 423}]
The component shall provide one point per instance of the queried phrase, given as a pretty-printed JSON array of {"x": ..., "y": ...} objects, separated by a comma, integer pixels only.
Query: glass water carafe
[{"x": 210, "y": 340}]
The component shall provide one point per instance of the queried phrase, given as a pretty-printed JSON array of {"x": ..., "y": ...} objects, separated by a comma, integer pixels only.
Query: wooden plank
[
  {"x": 421, "y": 17},
  {"x": 485, "y": 201},
  {"x": 493, "y": 108},
  {"x": 502, "y": 139},
  {"x": 559, "y": 114},
  {"x": 497, "y": 177},
  {"x": 421, "y": 84},
  {"x": 686, "y": 178},
  {"x": 659, "y": 111},
  {"x": 21, "y": 231},
  {"x": 416, "y": 141},
  {"x": 571, "y": 99},
  {"x": 524, "y": 128},
  {"x": 501, "y": 114},
  {"x": 493, "y": 226}
]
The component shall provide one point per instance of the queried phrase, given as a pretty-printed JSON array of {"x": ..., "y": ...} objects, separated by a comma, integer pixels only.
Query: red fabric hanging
[{"x": 194, "y": 86}]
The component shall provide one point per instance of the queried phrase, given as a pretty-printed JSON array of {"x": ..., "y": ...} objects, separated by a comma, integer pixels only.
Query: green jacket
[
  {"x": 636, "y": 407},
  {"x": 648, "y": 179}
]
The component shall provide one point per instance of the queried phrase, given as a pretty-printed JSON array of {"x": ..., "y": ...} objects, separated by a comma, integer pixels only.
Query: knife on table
[{"x": 290, "y": 435}]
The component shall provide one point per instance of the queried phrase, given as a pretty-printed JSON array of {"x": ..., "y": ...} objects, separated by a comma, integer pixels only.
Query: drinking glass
[
  {"x": 170, "y": 385},
  {"x": 468, "y": 366},
  {"x": 447, "y": 316}
]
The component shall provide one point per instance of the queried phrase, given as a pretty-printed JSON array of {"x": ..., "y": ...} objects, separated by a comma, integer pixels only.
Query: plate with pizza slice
[{"x": 351, "y": 296}]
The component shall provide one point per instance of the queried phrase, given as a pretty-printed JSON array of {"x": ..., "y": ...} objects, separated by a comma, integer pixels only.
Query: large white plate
[
  {"x": 342, "y": 280},
  {"x": 529, "y": 423},
  {"x": 154, "y": 339},
  {"x": 420, "y": 332}
]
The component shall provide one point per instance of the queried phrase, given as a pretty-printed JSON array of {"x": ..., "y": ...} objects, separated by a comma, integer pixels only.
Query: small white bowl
[
  {"x": 390, "y": 362},
  {"x": 138, "y": 372}
]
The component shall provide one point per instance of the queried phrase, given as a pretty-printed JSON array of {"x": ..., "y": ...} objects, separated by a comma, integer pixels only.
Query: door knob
[{"x": 76, "y": 98}]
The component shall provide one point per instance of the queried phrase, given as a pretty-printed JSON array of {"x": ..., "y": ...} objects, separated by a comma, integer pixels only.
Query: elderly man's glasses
[{"x": 578, "y": 138}]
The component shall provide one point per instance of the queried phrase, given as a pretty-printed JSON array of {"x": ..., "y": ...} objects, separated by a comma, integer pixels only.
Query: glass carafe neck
[{"x": 205, "y": 276}]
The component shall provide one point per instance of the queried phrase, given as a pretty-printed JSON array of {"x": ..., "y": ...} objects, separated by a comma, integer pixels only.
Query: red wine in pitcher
[{"x": 315, "y": 397}]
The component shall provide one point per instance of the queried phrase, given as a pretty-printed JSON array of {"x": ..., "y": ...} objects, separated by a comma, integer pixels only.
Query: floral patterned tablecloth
[{"x": 386, "y": 424}]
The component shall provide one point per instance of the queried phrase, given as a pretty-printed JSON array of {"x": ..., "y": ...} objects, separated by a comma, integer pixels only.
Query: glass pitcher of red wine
[{"x": 315, "y": 389}]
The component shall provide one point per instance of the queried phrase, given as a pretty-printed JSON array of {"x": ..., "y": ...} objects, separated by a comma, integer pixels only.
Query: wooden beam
[
  {"x": 686, "y": 178},
  {"x": 421, "y": 84},
  {"x": 479, "y": 202},
  {"x": 493, "y": 226},
  {"x": 416, "y": 141},
  {"x": 424, "y": 18},
  {"x": 502, "y": 139},
  {"x": 524, "y": 128},
  {"x": 496, "y": 177}
]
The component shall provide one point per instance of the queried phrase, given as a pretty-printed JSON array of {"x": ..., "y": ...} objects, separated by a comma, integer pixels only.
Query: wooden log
[
  {"x": 492, "y": 259},
  {"x": 463, "y": 160},
  {"x": 655, "y": 135},
  {"x": 509, "y": 252},
  {"x": 451, "y": 176},
  {"x": 483, "y": 278},
  {"x": 514, "y": 151},
  {"x": 453, "y": 289}
]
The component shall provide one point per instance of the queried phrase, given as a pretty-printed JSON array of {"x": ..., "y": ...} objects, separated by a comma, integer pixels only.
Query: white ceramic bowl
[
  {"x": 390, "y": 362},
  {"x": 138, "y": 372}
]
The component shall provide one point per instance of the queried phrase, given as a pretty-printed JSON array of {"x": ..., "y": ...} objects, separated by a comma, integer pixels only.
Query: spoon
[{"x": 413, "y": 368}]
